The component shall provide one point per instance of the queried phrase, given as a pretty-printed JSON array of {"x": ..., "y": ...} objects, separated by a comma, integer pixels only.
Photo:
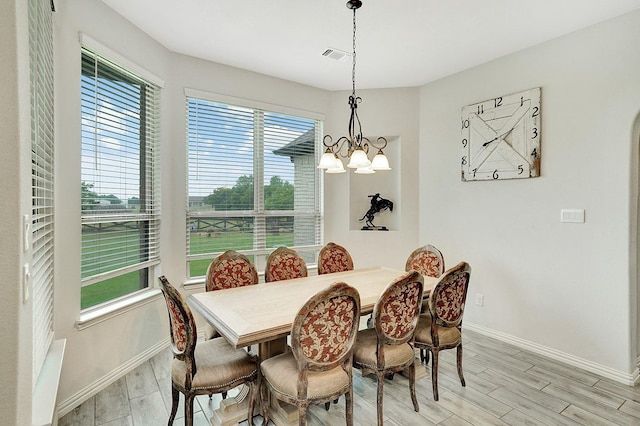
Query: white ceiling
[{"x": 400, "y": 43}]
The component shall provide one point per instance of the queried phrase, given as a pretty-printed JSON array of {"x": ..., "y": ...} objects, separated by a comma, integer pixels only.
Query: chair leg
[
  {"x": 434, "y": 374},
  {"x": 424, "y": 356},
  {"x": 380, "y": 375},
  {"x": 328, "y": 404},
  {"x": 175, "y": 399},
  {"x": 188, "y": 410},
  {"x": 349, "y": 406},
  {"x": 253, "y": 390},
  {"x": 412, "y": 386},
  {"x": 302, "y": 413},
  {"x": 265, "y": 401},
  {"x": 459, "y": 363},
  {"x": 224, "y": 395}
]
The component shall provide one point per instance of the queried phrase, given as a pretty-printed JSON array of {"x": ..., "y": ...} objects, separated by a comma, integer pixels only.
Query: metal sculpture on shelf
[{"x": 378, "y": 204}]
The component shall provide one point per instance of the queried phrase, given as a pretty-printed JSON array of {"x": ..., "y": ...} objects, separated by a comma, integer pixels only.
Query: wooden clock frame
[{"x": 501, "y": 137}]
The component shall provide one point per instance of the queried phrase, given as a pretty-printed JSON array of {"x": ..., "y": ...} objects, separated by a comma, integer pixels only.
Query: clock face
[{"x": 501, "y": 137}]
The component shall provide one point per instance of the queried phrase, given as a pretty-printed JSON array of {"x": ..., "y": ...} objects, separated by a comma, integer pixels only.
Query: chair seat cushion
[
  {"x": 281, "y": 372},
  {"x": 447, "y": 336},
  {"x": 364, "y": 352},
  {"x": 219, "y": 365}
]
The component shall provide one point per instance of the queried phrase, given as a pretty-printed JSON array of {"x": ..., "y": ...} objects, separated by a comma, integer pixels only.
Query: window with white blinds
[
  {"x": 252, "y": 183},
  {"x": 41, "y": 80},
  {"x": 119, "y": 180}
]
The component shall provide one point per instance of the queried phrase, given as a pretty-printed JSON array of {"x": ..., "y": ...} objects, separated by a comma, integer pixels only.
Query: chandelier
[{"x": 357, "y": 146}]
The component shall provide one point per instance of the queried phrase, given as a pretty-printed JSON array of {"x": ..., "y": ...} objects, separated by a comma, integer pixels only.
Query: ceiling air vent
[{"x": 338, "y": 55}]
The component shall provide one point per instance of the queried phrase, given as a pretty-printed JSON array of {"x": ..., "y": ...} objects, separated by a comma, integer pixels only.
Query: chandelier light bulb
[
  {"x": 358, "y": 159},
  {"x": 380, "y": 161}
]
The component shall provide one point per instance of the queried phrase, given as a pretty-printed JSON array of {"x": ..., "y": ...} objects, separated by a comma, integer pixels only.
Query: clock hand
[
  {"x": 492, "y": 140},
  {"x": 497, "y": 137}
]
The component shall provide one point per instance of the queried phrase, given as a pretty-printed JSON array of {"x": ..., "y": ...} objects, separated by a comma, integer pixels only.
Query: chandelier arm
[{"x": 381, "y": 143}]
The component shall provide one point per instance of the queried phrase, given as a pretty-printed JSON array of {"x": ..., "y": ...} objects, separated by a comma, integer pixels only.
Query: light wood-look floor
[{"x": 505, "y": 386}]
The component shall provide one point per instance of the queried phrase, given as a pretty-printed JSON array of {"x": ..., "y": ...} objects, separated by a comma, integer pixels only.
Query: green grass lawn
[{"x": 201, "y": 243}]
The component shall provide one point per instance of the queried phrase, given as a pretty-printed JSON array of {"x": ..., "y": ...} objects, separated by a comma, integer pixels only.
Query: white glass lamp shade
[
  {"x": 339, "y": 168},
  {"x": 364, "y": 171},
  {"x": 358, "y": 159},
  {"x": 380, "y": 162},
  {"x": 328, "y": 160}
]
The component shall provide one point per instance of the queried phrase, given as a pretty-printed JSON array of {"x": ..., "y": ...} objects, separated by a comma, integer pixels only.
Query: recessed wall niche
[{"x": 385, "y": 182}]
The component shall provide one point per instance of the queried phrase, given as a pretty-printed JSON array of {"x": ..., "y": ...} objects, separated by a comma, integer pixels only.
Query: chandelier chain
[{"x": 353, "y": 71}]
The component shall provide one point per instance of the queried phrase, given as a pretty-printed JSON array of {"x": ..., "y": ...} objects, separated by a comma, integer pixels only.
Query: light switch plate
[
  {"x": 572, "y": 215},
  {"x": 26, "y": 232}
]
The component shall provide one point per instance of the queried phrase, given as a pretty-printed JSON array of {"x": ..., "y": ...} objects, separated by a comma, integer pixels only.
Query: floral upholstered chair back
[
  {"x": 427, "y": 260},
  {"x": 448, "y": 297},
  {"x": 325, "y": 328},
  {"x": 397, "y": 310},
  {"x": 231, "y": 269},
  {"x": 334, "y": 258},
  {"x": 181, "y": 323},
  {"x": 284, "y": 264}
]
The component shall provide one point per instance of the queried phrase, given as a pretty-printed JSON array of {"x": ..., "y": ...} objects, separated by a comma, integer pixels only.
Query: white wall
[
  {"x": 15, "y": 187},
  {"x": 565, "y": 287}
]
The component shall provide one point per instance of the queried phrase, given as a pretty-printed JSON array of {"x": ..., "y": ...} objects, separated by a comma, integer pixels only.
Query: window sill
[
  {"x": 45, "y": 393},
  {"x": 92, "y": 317}
]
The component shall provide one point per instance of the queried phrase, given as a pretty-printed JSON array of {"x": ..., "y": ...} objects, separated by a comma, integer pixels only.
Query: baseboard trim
[
  {"x": 604, "y": 371},
  {"x": 102, "y": 383}
]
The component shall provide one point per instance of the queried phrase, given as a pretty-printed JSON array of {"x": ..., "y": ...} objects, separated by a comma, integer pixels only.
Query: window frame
[
  {"x": 148, "y": 218},
  {"x": 258, "y": 254}
]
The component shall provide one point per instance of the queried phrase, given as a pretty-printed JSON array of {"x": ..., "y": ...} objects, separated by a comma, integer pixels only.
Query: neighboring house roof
[{"x": 302, "y": 145}]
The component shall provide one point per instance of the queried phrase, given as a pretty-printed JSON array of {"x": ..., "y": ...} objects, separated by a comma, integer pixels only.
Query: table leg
[
  {"x": 233, "y": 410},
  {"x": 280, "y": 413}
]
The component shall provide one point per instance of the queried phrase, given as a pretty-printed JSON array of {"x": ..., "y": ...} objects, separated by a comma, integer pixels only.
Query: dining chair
[
  {"x": 318, "y": 369},
  {"x": 440, "y": 327},
  {"x": 388, "y": 347},
  {"x": 211, "y": 366},
  {"x": 284, "y": 264},
  {"x": 334, "y": 258},
  {"x": 229, "y": 270},
  {"x": 427, "y": 260}
]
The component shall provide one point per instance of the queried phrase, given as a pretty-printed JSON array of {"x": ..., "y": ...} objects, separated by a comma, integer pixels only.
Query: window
[
  {"x": 252, "y": 183},
  {"x": 41, "y": 80},
  {"x": 120, "y": 192}
]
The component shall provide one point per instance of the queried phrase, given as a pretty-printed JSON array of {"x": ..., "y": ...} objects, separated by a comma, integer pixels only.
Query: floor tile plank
[
  {"x": 141, "y": 381},
  {"x": 112, "y": 403},
  {"x": 592, "y": 406},
  {"x": 584, "y": 417},
  {"x": 530, "y": 408}
]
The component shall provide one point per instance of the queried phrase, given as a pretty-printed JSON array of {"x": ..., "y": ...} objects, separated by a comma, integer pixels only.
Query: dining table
[{"x": 262, "y": 315}]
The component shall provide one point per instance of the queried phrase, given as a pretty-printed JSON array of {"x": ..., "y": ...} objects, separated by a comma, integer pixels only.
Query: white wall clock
[{"x": 501, "y": 137}]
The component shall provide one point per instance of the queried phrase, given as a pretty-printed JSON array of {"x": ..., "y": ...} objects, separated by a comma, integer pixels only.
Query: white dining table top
[{"x": 258, "y": 313}]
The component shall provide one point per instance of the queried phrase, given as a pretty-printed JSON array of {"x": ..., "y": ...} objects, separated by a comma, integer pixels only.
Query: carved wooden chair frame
[
  {"x": 446, "y": 308},
  {"x": 311, "y": 327},
  {"x": 184, "y": 334},
  {"x": 395, "y": 316}
]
